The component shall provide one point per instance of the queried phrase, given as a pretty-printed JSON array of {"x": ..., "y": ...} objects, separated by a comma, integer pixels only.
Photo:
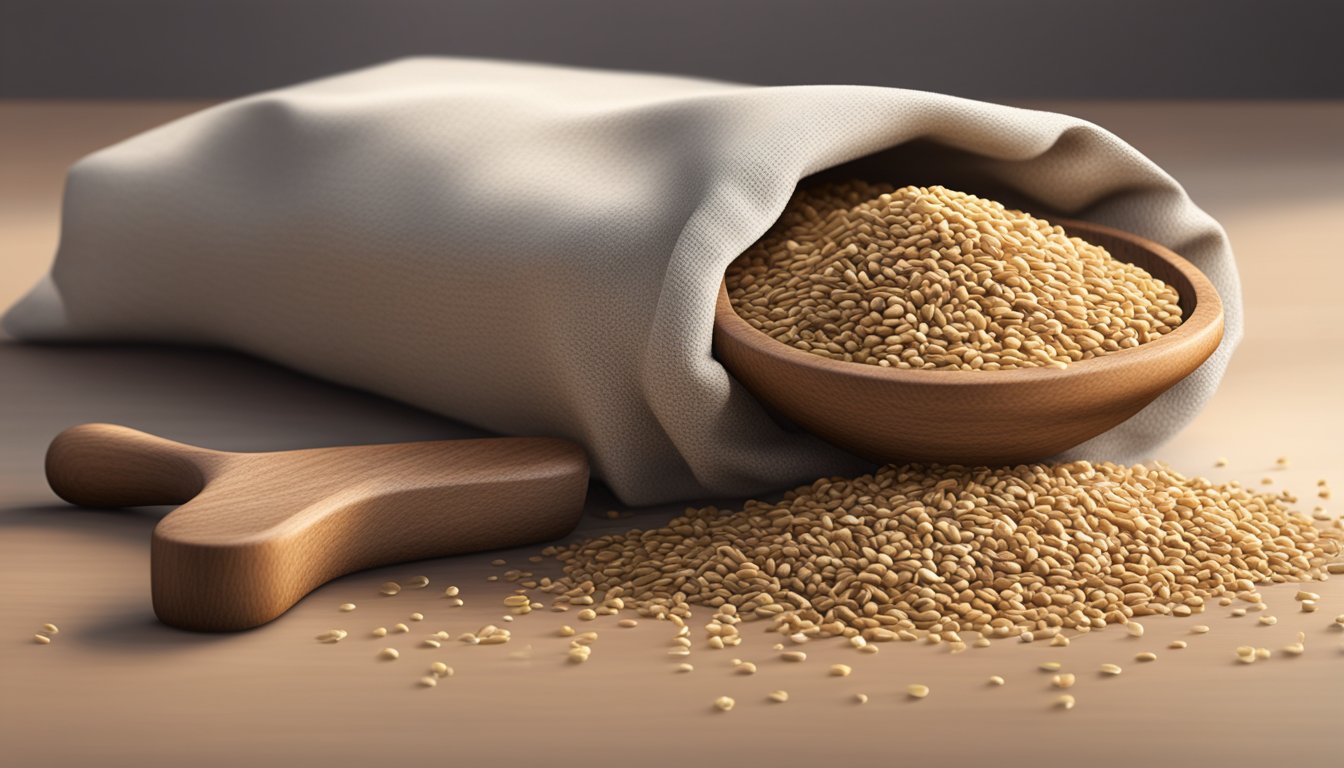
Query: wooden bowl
[{"x": 978, "y": 417}]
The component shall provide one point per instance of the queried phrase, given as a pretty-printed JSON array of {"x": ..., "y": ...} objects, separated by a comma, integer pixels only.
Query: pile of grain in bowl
[
  {"x": 931, "y": 278},
  {"x": 944, "y": 549}
]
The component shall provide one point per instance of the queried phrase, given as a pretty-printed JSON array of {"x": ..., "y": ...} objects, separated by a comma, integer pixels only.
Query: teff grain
[
  {"x": 779, "y": 697},
  {"x": 996, "y": 680},
  {"x": 841, "y": 670},
  {"x": 389, "y": 654},
  {"x": 418, "y": 582},
  {"x": 1134, "y": 628},
  {"x": 794, "y": 656},
  {"x": 1111, "y": 670},
  {"x": 1146, "y": 656},
  {"x": 724, "y": 703},
  {"x": 860, "y": 698},
  {"x": 1268, "y": 621},
  {"x": 451, "y": 591},
  {"x": 1064, "y": 680},
  {"x": 1040, "y": 548},
  {"x": 51, "y": 629},
  {"x": 347, "y": 607},
  {"x": 917, "y": 691},
  {"x": 1199, "y": 629},
  {"x": 390, "y": 588},
  {"x": 933, "y": 278},
  {"x": 1178, "y": 645},
  {"x": 41, "y": 639},
  {"x": 1065, "y": 702}
]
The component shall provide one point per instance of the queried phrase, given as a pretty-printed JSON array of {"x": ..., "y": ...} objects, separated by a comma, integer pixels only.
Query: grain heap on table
[
  {"x": 1036, "y": 548},
  {"x": 931, "y": 278}
]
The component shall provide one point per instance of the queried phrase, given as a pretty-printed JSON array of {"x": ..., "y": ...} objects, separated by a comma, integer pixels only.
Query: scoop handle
[{"x": 110, "y": 466}]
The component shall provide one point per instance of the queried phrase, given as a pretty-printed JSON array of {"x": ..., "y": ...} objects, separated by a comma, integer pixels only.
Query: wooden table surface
[{"x": 117, "y": 688}]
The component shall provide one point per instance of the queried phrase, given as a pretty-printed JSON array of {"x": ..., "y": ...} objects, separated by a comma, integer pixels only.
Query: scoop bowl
[{"x": 978, "y": 417}]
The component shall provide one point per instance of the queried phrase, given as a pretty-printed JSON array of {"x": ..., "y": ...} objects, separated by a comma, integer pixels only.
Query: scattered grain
[
  {"x": 390, "y": 588},
  {"x": 1111, "y": 670},
  {"x": 840, "y": 670},
  {"x": 389, "y": 654},
  {"x": 822, "y": 561},
  {"x": 1146, "y": 656},
  {"x": 418, "y": 582},
  {"x": 917, "y": 691}
]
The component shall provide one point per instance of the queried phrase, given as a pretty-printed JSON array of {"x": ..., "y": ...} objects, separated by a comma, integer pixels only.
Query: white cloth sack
[{"x": 537, "y": 250}]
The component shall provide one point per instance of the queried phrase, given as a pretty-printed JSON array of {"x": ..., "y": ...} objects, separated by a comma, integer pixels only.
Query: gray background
[{"x": 995, "y": 49}]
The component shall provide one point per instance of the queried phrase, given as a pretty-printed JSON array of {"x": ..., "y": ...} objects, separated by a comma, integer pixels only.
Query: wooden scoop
[{"x": 255, "y": 532}]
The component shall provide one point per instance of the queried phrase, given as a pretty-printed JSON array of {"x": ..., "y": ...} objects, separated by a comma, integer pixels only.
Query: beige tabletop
[{"x": 117, "y": 688}]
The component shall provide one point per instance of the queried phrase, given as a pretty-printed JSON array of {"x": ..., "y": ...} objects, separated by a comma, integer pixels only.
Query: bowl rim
[{"x": 1208, "y": 314}]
